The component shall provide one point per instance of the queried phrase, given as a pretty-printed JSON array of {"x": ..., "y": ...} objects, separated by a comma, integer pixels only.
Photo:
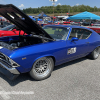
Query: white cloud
[
  {"x": 77, "y": 4},
  {"x": 59, "y": 4},
  {"x": 21, "y": 6}
]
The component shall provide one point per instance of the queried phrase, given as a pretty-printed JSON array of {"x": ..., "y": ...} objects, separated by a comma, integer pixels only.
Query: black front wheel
[{"x": 42, "y": 68}]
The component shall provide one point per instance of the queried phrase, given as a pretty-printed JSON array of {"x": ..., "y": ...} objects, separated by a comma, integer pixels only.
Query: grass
[{"x": 64, "y": 14}]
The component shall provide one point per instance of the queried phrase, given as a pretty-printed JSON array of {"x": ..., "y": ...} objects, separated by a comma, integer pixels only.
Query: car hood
[{"x": 21, "y": 20}]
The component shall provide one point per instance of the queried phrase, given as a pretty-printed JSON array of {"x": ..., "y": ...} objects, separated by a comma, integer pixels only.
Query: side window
[
  {"x": 86, "y": 34},
  {"x": 76, "y": 32},
  {"x": 80, "y": 33}
]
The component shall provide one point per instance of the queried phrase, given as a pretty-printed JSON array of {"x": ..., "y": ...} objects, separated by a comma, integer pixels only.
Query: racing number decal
[{"x": 71, "y": 50}]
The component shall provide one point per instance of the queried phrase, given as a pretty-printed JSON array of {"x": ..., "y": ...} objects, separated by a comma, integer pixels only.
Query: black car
[{"x": 88, "y": 22}]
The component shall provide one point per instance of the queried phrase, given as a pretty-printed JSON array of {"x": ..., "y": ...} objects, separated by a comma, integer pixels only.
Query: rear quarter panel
[{"x": 94, "y": 41}]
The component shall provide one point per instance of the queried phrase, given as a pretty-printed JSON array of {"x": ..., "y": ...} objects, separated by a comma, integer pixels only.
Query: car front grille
[
  {"x": 2, "y": 56},
  {"x": 5, "y": 60}
]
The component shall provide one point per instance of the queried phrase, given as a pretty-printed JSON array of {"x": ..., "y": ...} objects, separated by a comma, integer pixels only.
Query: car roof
[
  {"x": 74, "y": 26},
  {"x": 71, "y": 26}
]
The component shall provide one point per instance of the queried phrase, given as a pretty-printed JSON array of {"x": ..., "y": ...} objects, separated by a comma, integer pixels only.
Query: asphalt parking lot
[{"x": 76, "y": 80}]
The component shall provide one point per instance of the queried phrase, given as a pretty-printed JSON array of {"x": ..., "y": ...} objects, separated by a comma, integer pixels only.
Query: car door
[{"x": 77, "y": 43}]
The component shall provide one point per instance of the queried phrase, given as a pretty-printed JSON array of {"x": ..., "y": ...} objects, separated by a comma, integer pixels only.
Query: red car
[
  {"x": 66, "y": 22},
  {"x": 96, "y": 29},
  {"x": 10, "y": 30}
]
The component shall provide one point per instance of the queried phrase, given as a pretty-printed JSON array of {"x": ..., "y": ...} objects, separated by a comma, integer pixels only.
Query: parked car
[
  {"x": 96, "y": 24},
  {"x": 43, "y": 48},
  {"x": 88, "y": 22},
  {"x": 10, "y": 30},
  {"x": 67, "y": 22},
  {"x": 4, "y": 23},
  {"x": 2, "y": 18},
  {"x": 95, "y": 28}
]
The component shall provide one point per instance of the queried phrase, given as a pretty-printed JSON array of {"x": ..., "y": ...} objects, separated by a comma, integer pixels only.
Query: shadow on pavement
[
  {"x": 19, "y": 79},
  {"x": 69, "y": 63},
  {"x": 26, "y": 76}
]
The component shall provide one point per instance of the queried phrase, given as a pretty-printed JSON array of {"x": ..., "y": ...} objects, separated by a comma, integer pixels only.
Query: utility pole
[
  {"x": 53, "y": 6},
  {"x": 53, "y": 9}
]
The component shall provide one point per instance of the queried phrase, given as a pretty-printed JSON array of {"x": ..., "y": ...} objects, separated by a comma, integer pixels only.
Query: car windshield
[
  {"x": 9, "y": 27},
  {"x": 58, "y": 33}
]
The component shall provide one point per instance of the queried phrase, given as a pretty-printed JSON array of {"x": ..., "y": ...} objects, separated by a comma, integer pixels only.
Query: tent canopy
[
  {"x": 32, "y": 18},
  {"x": 42, "y": 15},
  {"x": 85, "y": 15},
  {"x": 39, "y": 19},
  {"x": 35, "y": 18}
]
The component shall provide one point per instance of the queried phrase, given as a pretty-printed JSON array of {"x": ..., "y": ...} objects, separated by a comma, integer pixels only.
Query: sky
[{"x": 23, "y": 4}]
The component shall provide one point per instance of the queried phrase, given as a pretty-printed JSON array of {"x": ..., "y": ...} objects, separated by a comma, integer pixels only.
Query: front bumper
[{"x": 9, "y": 72}]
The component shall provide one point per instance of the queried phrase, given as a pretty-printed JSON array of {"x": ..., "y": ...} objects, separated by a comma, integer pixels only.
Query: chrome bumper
[
  {"x": 8, "y": 71},
  {"x": 6, "y": 67},
  {"x": 12, "y": 70}
]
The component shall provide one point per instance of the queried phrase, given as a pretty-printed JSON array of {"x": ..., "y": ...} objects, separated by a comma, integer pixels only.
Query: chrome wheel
[{"x": 42, "y": 68}]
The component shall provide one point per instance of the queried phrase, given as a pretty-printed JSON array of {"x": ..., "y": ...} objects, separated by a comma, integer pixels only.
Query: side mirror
[
  {"x": 14, "y": 30},
  {"x": 74, "y": 39}
]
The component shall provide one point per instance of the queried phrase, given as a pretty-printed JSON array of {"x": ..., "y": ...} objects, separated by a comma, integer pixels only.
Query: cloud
[
  {"x": 21, "y": 6},
  {"x": 59, "y": 4},
  {"x": 77, "y": 4}
]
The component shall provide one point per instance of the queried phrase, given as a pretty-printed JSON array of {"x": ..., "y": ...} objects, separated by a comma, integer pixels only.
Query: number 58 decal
[{"x": 71, "y": 50}]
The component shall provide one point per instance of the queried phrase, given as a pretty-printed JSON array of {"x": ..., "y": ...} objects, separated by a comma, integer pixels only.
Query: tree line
[{"x": 61, "y": 9}]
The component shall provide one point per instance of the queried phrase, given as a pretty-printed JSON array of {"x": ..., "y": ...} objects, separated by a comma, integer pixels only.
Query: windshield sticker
[{"x": 71, "y": 50}]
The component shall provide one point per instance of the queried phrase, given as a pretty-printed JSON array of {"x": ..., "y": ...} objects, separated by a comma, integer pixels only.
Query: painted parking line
[{"x": 4, "y": 96}]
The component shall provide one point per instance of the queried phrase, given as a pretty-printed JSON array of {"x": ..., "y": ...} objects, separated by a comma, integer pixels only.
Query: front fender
[{"x": 49, "y": 55}]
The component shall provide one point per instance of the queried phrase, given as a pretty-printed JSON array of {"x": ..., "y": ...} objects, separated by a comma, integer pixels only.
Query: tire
[
  {"x": 95, "y": 54},
  {"x": 42, "y": 68}
]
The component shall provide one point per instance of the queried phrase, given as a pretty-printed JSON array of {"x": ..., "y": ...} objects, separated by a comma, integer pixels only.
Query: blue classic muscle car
[{"x": 42, "y": 48}]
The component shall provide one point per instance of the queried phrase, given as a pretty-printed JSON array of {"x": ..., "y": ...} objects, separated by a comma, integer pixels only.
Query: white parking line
[{"x": 4, "y": 96}]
